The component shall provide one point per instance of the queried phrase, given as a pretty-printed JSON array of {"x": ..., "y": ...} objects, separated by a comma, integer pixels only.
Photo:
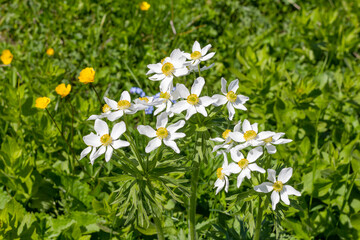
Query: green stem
[
  {"x": 192, "y": 202},
  {"x": 258, "y": 221},
  {"x": 97, "y": 95},
  {"x": 159, "y": 229},
  {"x": 199, "y": 69}
]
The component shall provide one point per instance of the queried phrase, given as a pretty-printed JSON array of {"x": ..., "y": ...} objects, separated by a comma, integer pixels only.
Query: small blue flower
[{"x": 149, "y": 110}]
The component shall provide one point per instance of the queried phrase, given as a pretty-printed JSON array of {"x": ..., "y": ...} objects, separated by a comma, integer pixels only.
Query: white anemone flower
[
  {"x": 226, "y": 142},
  {"x": 106, "y": 110},
  {"x": 87, "y": 150},
  {"x": 143, "y": 103},
  {"x": 245, "y": 166},
  {"x": 230, "y": 98},
  {"x": 123, "y": 106},
  {"x": 166, "y": 101},
  {"x": 167, "y": 69},
  {"x": 193, "y": 68},
  {"x": 222, "y": 176},
  {"x": 277, "y": 186},
  {"x": 275, "y": 139},
  {"x": 199, "y": 54},
  {"x": 163, "y": 134},
  {"x": 193, "y": 102},
  {"x": 249, "y": 136},
  {"x": 106, "y": 142}
]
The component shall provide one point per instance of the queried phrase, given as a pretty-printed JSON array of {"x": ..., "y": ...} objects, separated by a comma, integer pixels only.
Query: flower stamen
[
  {"x": 231, "y": 96},
  {"x": 268, "y": 140},
  {"x": 162, "y": 132},
  {"x": 144, "y": 99},
  {"x": 195, "y": 55},
  {"x": 106, "y": 139},
  {"x": 193, "y": 99},
  {"x": 249, "y": 135},
  {"x": 243, "y": 163},
  {"x": 106, "y": 108},
  {"x": 220, "y": 174},
  {"x": 123, "y": 104},
  {"x": 278, "y": 186},
  {"x": 225, "y": 134},
  {"x": 167, "y": 69}
]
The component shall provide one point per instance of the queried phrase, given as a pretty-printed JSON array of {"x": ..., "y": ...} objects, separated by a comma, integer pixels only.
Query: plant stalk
[
  {"x": 159, "y": 229},
  {"x": 258, "y": 221}
]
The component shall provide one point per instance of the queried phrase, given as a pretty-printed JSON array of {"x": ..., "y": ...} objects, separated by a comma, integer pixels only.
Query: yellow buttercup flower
[
  {"x": 63, "y": 90},
  {"x": 144, "y": 6},
  {"x": 6, "y": 57},
  {"x": 42, "y": 102},
  {"x": 50, "y": 51},
  {"x": 87, "y": 75}
]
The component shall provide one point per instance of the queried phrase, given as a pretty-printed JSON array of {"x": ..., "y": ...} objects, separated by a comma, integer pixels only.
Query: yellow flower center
[
  {"x": 248, "y": 135},
  {"x": 165, "y": 95},
  {"x": 162, "y": 132},
  {"x": 123, "y": 104},
  {"x": 167, "y": 69},
  {"x": 106, "y": 139},
  {"x": 243, "y": 163},
  {"x": 193, "y": 99},
  {"x": 144, "y": 99},
  {"x": 278, "y": 186},
  {"x": 106, "y": 108},
  {"x": 231, "y": 96},
  {"x": 220, "y": 174},
  {"x": 268, "y": 140},
  {"x": 195, "y": 55},
  {"x": 225, "y": 134}
]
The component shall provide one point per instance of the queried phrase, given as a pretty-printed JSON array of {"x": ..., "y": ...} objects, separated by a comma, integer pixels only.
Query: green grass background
[{"x": 298, "y": 61}]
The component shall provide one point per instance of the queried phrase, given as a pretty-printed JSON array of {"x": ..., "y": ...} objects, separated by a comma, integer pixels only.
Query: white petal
[
  {"x": 157, "y": 77},
  {"x": 206, "y": 101},
  {"x": 219, "y": 100},
  {"x": 231, "y": 110},
  {"x": 162, "y": 120},
  {"x": 238, "y": 105},
  {"x": 176, "y": 126},
  {"x": 291, "y": 191},
  {"x": 247, "y": 172},
  {"x": 255, "y": 167},
  {"x": 207, "y": 57},
  {"x": 118, "y": 130},
  {"x": 172, "y": 145},
  {"x": 246, "y": 126},
  {"x": 166, "y": 84},
  {"x": 237, "y": 136},
  {"x": 205, "y": 49},
  {"x": 175, "y": 136},
  {"x": 182, "y": 90},
  {"x": 101, "y": 127},
  {"x": 152, "y": 145},
  {"x": 220, "y": 186},
  {"x": 265, "y": 187},
  {"x": 93, "y": 117},
  {"x": 234, "y": 85},
  {"x": 265, "y": 134},
  {"x": 180, "y": 106},
  {"x": 190, "y": 111},
  {"x": 243, "y": 99},
  {"x": 271, "y": 149},
  {"x": 99, "y": 152},
  {"x": 255, "y": 127},
  {"x": 282, "y": 141},
  {"x": 187, "y": 55},
  {"x": 92, "y": 140},
  {"x": 254, "y": 154},
  {"x": 240, "y": 178},
  {"x": 181, "y": 72},
  {"x": 226, "y": 184},
  {"x": 277, "y": 136},
  {"x": 217, "y": 139},
  {"x": 155, "y": 67},
  {"x": 234, "y": 168},
  {"x": 112, "y": 104},
  {"x": 147, "y": 131},
  {"x": 285, "y": 174},
  {"x": 115, "y": 115},
  {"x": 119, "y": 144},
  {"x": 92, "y": 154},
  {"x": 196, "y": 47},
  {"x": 271, "y": 175},
  {"x": 159, "y": 109},
  {"x": 201, "y": 109},
  {"x": 236, "y": 155},
  {"x": 275, "y": 198},
  {"x": 237, "y": 127},
  {"x": 85, "y": 152},
  {"x": 284, "y": 197},
  {"x": 108, "y": 153},
  {"x": 125, "y": 96},
  {"x": 223, "y": 86},
  {"x": 198, "y": 86}
]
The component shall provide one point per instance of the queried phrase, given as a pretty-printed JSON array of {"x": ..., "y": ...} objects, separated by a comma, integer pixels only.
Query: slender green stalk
[
  {"x": 72, "y": 128},
  {"x": 258, "y": 221},
  {"x": 159, "y": 229},
  {"x": 192, "y": 202},
  {"x": 97, "y": 95},
  {"x": 199, "y": 69}
]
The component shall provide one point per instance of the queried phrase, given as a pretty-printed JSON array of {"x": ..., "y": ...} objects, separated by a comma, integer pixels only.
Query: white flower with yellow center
[
  {"x": 166, "y": 99},
  {"x": 167, "y": 69},
  {"x": 230, "y": 98},
  {"x": 123, "y": 106},
  {"x": 143, "y": 103},
  {"x": 279, "y": 190},
  {"x": 199, "y": 54},
  {"x": 249, "y": 136},
  {"x": 226, "y": 142},
  {"x": 245, "y": 166},
  {"x": 106, "y": 142},
  {"x": 193, "y": 102},
  {"x": 222, "y": 176},
  {"x": 106, "y": 110},
  {"x": 162, "y": 134},
  {"x": 275, "y": 139}
]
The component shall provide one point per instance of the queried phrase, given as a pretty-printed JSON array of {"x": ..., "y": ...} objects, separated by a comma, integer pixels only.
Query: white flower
[
  {"x": 123, "y": 106},
  {"x": 249, "y": 136},
  {"x": 199, "y": 55},
  {"x": 162, "y": 133},
  {"x": 106, "y": 142},
  {"x": 166, "y": 99},
  {"x": 244, "y": 165},
  {"x": 226, "y": 141},
  {"x": 221, "y": 174},
  {"x": 143, "y": 103},
  {"x": 193, "y": 68},
  {"x": 193, "y": 102},
  {"x": 167, "y": 69},
  {"x": 274, "y": 140},
  {"x": 87, "y": 150},
  {"x": 278, "y": 186},
  {"x": 230, "y": 97},
  {"x": 106, "y": 110}
]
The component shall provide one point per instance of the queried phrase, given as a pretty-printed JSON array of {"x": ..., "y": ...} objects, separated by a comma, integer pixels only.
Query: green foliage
[{"x": 297, "y": 61}]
